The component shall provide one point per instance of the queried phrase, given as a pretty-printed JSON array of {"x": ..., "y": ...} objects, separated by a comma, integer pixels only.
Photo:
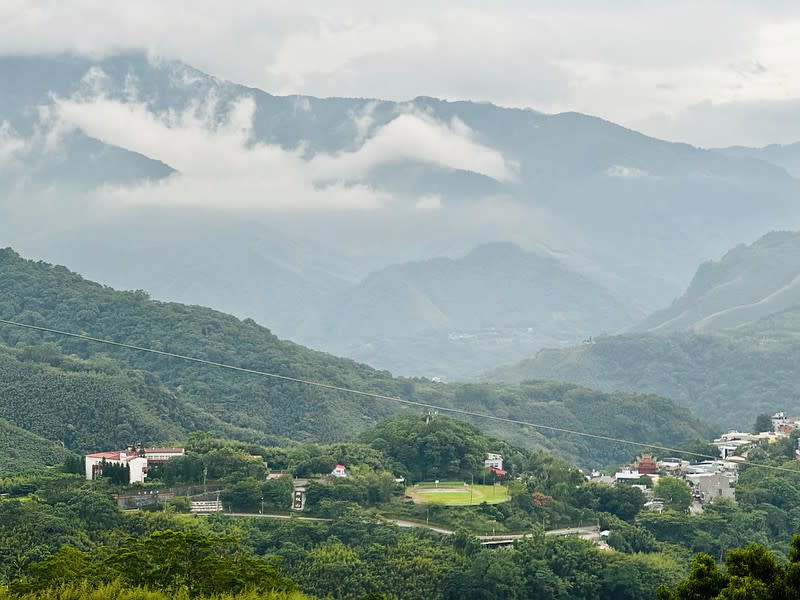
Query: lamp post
[{"x": 261, "y": 512}]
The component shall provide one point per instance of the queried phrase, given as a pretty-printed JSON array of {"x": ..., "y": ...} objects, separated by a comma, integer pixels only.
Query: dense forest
[
  {"x": 89, "y": 396},
  {"x": 728, "y": 376},
  {"x": 63, "y": 537}
]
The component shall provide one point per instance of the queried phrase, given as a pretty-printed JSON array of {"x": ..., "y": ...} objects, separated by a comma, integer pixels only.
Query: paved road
[
  {"x": 590, "y": 532},
  {"x": 408, "y": 524},
  {"x": 272, "y": 516}
]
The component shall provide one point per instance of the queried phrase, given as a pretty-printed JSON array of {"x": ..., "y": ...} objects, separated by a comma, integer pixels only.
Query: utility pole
[
  {"x": 261, "y": 512},
  {"x": 205, "y": 474}
]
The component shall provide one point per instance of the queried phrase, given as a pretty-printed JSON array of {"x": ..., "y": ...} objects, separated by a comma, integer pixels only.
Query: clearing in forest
[{"x": 456, "y": 493}]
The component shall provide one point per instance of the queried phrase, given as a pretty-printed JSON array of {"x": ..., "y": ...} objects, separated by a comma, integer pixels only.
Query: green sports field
[{"x": 456, "y": 494}]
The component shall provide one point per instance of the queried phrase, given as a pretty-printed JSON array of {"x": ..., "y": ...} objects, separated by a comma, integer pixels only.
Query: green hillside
[
  {"x": 453, "y": 317},
  {"x": 22, "y": 451},
  {"x": 728, "y": 348},
  {"x": 728, "y": 377},
  {"x": 747, "y": 284},
  {"x": 105, "y": 395}
]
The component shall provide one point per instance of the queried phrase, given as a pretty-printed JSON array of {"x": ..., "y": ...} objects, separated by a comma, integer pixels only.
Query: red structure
[
  {"x": 646, "y": 465},
  {"x": 499, "y": 473}
]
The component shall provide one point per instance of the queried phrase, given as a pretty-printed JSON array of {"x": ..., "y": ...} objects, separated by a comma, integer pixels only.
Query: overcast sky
[{"x": 709, "y": 73}]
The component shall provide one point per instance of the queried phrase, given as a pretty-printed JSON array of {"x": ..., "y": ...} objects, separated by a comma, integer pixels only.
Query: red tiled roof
[{"x": 114, "y": 455}]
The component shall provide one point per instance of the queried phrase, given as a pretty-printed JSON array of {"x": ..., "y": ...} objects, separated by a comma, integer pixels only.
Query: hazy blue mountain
[
  {"x": 632, "y": 213},
  {"x": 91, "y": 396},
  {"x": 729, "y": 376},
  {"x": 454, "y": 316},
  {"x": 786, "y": 156},
  {"x": 728, "y": 348},
  {"x": 748, "y": 283}
]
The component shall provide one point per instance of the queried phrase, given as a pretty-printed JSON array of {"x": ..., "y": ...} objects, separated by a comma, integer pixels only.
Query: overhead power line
[{"x": 337, "y": 388}]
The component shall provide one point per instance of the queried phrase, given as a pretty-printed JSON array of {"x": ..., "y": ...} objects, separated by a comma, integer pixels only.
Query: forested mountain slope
[
  {"x": 21, "y": 450},
  {"x": 783, "y": 155},
  {"x": 163, "y": 396},
  {"x": 236, "y": 225},
  {"x": 728, "y": 377},
  {"x": 453, "y": 317},
  {"x": 748, "y": 283},
  {"x": 728, "y": 348}
]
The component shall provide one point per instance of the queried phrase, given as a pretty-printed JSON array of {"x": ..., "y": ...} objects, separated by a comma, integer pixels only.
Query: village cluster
[{"x": 709, "y": 480}]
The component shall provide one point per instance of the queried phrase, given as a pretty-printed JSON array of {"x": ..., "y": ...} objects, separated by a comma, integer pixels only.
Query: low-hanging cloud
[
  {"x": 625, "y": 61},
  {"x": 220, "y": 164},
  {"x": 13, "y": 147}
]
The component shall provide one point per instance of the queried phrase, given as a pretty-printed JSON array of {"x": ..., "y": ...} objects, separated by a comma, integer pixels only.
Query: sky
[{"x": 710, "y": 73}]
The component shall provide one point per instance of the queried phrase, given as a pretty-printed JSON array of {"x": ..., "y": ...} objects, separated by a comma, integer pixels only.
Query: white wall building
[
  {"x": 162, "y": 455},
  {"x": 493, "y": 460},
  {"x": 339, "y": 471},
  {"x": 136, "y": 459}
]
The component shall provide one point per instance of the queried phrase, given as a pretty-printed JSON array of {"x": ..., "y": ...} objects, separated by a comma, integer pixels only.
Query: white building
[
  {"x": 339, "y": 471},
  {"x": 778, "y": 421},
  {"x": 493, "y": 460},
  {"x": 137, "y": 464},
  {"x": 161, "y": 455},
  {"x": 135, "y": 458},
  {"x": 627, "y": 475}
]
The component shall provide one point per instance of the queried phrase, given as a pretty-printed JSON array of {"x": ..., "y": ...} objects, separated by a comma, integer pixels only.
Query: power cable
[{"x": 405, "y": 401}]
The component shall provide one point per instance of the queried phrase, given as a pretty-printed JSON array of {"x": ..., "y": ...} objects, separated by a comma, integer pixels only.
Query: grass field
[{"x": 457, "y": 494}]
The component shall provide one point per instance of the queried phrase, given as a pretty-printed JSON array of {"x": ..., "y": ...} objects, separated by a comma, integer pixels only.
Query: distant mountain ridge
[
  {"x": 786, "y": 156},
  {"x": 88, "y": 396},
  {"x": 632, "y": 213},
  {"x": 748, "y": 283},
  {"x": 728, "y": 348},
  {"x": 453, "y": 311}
]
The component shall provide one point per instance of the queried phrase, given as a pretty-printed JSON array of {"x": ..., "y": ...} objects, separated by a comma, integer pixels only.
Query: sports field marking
[{"x": 457, "y": 494}]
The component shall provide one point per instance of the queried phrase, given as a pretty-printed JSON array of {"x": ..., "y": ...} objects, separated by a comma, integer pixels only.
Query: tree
[
  {"x": 674, "y": 492},
  {"x": 623, "y": 501},
  {"x": 201, "y": 563},
  {"x": 763, "y": 423},
  {"x": 753, "y": 573}
]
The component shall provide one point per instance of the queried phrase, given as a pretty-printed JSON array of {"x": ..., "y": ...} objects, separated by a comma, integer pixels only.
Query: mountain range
[
  {"x": 79, "y": 395},
  {"x": 320, "y": 215},
  {"x": 748, "y": 283},
  {"x": 728, "y": 348}
]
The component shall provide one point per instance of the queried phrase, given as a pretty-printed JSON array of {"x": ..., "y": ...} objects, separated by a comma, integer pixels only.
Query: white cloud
[
  {"x": 624, "y": 172},
  {"x": 12, "y": 146},
  {"x": 709, "y": 124},
  {"x": 414, "y": 136},
  {"x": 219, "y": 163},
  {"x": 626, "y": 61},
  {"x": 429, "y": 202}
]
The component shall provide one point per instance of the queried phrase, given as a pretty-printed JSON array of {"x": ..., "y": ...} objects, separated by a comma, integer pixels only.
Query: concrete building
[
  {"x": 493, "y": 460},
  {"x": 646, "y": 465},
  {"x": 157, "y": 456},
  {"x": 94, "y": 463},
  {"x": 339, "y": 471},
  {"x": 627, "y": 475},
  {"x": 778, "y": 421},
  {"x": 710, "y": 487},
  {"x": 136, "y": 458}
]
